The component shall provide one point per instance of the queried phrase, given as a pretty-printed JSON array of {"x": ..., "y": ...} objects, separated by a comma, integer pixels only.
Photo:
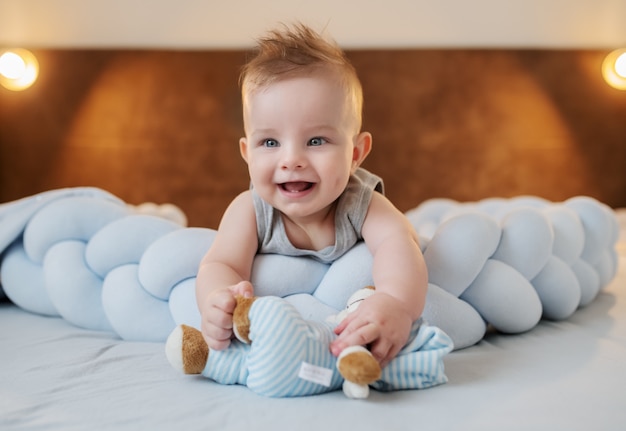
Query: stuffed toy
[
  {"x": 353, "y": 387},
  {"x": 278, "y": 353}
]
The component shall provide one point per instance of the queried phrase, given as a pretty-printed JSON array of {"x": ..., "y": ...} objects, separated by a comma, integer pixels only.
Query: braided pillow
[{"x": 86, "y": 256}]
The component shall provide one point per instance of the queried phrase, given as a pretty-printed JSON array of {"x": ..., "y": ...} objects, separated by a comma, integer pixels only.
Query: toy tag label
[{"x": 313, "y": 373}]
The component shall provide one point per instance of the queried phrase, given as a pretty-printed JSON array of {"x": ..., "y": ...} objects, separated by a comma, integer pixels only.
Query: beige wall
[{"x": 353, "y": 23}]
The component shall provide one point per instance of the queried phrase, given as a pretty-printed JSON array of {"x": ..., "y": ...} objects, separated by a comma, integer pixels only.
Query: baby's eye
[
  {"x": 270, "y": 143},
  {"x": 316, "y": 142}
]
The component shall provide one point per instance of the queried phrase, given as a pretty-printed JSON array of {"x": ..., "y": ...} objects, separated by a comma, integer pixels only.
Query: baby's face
[{"x": 299, "y": 144}]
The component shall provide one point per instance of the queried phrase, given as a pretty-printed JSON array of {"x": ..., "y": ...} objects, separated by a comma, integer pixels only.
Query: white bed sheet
[{"x": 567, "y": 375}]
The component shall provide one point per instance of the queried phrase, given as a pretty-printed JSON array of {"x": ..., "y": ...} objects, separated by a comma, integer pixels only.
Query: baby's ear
[
  {"x": 243, "y": 148},
  {"x": 362, "y": 147}
]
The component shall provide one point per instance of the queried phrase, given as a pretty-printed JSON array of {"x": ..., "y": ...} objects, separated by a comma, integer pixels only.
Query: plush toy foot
[
  {"x": 241, "y": 321},
  {"x": 359, "y": 368},
  {"x": 186, "y": 350},
  {"x": 355, "y": 391}
]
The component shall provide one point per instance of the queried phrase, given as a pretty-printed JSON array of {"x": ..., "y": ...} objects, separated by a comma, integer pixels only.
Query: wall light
[
  {"x": 18, "y": 69},
  {"x": 614, "y": 69}
]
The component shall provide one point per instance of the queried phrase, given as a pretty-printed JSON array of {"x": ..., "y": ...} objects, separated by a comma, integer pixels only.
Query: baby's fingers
[
  {"x": 355, "y": 335},
  {"x": 217, "y": 338},
  {"x": 243, "y": 288},
  {"x": 384, "y": 351}
]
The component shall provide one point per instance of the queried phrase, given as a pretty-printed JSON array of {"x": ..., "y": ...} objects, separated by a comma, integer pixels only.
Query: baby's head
[{"x": 300, "y": 52}]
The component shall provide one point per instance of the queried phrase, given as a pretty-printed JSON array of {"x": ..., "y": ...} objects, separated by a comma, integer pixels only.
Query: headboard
[{"x": 163, "y": 126}]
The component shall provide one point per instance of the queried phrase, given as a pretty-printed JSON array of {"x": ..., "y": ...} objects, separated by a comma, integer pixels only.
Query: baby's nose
[{"x": 293, "y": 158}]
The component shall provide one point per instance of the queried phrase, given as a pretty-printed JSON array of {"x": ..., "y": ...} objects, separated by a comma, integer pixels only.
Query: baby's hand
[
  {"x": 381, "y": 321},
  {"x": 217, "y": 314}
]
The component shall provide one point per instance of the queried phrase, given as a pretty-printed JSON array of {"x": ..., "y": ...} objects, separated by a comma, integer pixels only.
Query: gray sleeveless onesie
[{"x": 350, "y": 214}]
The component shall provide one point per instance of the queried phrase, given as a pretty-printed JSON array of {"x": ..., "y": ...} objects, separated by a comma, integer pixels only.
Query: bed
[
  {"x": 560, "y": 375},
  {"x": 68, "y": 372}
]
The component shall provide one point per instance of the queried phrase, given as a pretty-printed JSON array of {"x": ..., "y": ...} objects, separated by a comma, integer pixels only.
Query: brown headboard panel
[{"x": 163, "y": 126}]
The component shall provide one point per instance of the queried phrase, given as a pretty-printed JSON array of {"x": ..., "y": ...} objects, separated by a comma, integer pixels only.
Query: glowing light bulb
[
  {"x": 620, "y": 65},
  {"x": 12, "y": 66},
  {"x": 614, "y": 69},
  {"x": 18, "y": 69}
]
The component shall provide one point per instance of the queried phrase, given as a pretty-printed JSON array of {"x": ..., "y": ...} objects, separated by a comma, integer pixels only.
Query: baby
[{"x": 303, "y": 144}]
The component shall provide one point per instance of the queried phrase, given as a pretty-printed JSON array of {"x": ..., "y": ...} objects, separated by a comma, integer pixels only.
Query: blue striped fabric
[
  {"x": 282, "y": 341},
  {"x": 419, "y": 364},
  {"x": 275, "y": 363},
  {"x": 228, "y": 366}
]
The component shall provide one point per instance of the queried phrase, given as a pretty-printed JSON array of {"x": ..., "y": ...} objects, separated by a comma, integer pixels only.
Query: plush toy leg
[
  {"x": 186, "y": 350},
  {"x": 188, "y": 353},
  {"x": 419, "y": 364},
  {"x": 359, "y": 368}
]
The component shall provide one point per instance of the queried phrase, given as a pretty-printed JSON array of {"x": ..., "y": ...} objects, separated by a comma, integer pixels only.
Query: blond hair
[{"x": 295, "y": 52}]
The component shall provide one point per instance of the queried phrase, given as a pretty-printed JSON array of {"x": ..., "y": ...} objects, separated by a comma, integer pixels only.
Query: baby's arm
[
  {"x": 384, "y": 319},
  {"x": 225, "y": 271}
]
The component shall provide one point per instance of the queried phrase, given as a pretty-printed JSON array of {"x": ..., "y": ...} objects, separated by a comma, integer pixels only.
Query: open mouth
[{"x": 296, "y": 186}]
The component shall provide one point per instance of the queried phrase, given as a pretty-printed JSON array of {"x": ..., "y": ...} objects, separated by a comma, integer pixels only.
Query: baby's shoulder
[
  {"x": 241, "y": 207},
  {"x": 383, "y": 215}
]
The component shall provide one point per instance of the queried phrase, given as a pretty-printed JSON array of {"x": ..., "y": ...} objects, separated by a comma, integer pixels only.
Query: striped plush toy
[{"x": 278, "y": 353}]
